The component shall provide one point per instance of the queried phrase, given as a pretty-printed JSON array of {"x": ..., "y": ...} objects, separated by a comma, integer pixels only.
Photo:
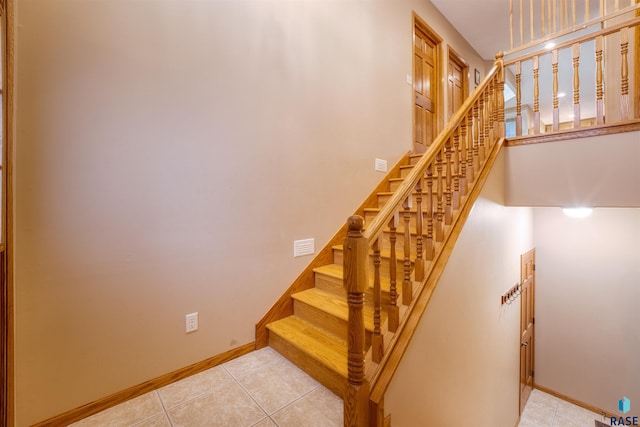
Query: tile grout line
[
  {"x": 318, "y": 385},
  {"x": 246, "y": 392},
  {"x": 166, "y": 413}
]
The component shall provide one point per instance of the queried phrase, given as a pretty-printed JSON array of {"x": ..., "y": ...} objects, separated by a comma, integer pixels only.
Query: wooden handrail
[
  {"x": 456, "y": 163},
  {"x": 591, "y": 36},
  {"x": 374, "y": 229}
]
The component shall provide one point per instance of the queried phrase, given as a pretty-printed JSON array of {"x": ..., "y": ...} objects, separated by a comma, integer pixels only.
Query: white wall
[
  {"x": 596, "y": 171},
  {"x": 587, "y": 297},
  {"x": 168, "y": 154},
  {"x": 462, "y": 366}
]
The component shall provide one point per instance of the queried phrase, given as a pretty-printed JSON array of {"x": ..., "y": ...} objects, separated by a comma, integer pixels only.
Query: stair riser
[
  {"x": 325, "y": 376},
  {"x": 384, "y": 263},
  {"x": 386, "y": 243},
  {"x": 369, "y": 217},
  {"x": 384, "y": 198},
  {"x": 321, "y": 319},
  {"x": 393, "y": 185},
  {"x": 413, "y": 160},
  {"x": 334, "y": 285},
  {"x": 404, "y": 172}
]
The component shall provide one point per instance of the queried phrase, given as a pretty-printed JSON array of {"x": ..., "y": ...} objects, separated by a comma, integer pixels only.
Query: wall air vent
[
  {"x": 381, "y": 165},
  {"x": 303, "y": 247}
]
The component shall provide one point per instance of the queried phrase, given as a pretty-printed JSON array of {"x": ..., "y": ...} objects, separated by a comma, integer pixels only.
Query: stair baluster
[
  {"x": 624, "y": 73},
  {"x": 455, "y": 200},
  {"x": 576, "y": 85},
  {"x": 518, "y": 98},
  {"x": 407, "y": 285},
  {"x": 419, "y": 262},
  {"x": 439, "y": 224},
  {"x": 429, "y": 246},
  {"x": 448, "y": 210},
  {"x": 377, "y": 345},
  {"x": 486, "y": 121},
  {"x": 463, "y": 157},
  {"x": 394, "y": 310},
  {"x": 476, "y": 137},
  {"x": 481, "y": 123},
  {"x": 470, "y": 157},
  {"x": 536, "y": 96},
  {"x": 599, "y": 86},
  {"x": 554, "y": 70}
]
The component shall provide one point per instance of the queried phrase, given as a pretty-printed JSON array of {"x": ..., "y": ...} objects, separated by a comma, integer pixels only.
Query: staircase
[
  {"x": 315, "y": 336},
  {"x": 349, "y": 317}
]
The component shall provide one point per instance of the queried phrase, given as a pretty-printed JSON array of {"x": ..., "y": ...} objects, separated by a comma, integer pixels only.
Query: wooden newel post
[{"x": 356, "y": 266}]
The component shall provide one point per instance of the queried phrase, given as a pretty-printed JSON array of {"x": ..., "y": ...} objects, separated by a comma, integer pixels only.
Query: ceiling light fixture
[
  {"x": 577, "y": 212},
  {"x": 549, "y": 45},
  {"x": 561, "y": 95}
]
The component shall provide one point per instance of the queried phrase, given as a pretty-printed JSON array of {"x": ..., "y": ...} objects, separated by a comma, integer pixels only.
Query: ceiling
[{"x": 483, "y": 23}]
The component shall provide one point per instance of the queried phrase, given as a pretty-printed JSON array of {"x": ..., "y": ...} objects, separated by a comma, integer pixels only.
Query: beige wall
[
  {"x": 587, "y": 317},
  {"x": 168, "y": 154},
  {"x": 596, "y": 171},
  {"x": 463, "y": 364}
]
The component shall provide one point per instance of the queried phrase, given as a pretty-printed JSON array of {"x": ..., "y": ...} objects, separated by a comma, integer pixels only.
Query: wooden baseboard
[
  {"x": 574, "y": 401},
  {"x": 122, "y": 396}
]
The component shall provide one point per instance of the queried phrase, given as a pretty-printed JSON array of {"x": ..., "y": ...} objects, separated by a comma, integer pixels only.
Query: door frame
[
  {"x": 530, "y": 253},
  {"x": 7, "y": 397},
  {"x": 438, "y": 85},
  {"x": 454, "y": 56}
]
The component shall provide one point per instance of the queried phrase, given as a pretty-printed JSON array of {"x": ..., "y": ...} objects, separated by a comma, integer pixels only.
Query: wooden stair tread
[
  {"x": 334, "y": 305},
  {"x": 336, "y": 271},
  {"x": 384, "y": 253},
  {"x": 325, "y": 348}
]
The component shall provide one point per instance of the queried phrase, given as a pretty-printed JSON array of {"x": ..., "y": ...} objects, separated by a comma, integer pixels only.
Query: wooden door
[
  {"x": 425, "y": 85},
  {"x": 527, "y": 324},
  {"x": 457, "y": 82}
]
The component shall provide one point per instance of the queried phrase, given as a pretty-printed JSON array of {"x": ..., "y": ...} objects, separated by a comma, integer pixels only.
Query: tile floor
[
  {"x": 545, "y": 410},
  {"x": 260, "y": 389},
  {"x": 263, "y": 389}
]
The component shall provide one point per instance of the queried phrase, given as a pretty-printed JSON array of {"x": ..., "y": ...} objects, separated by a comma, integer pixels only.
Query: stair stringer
[{"x": 380, "y": 375}]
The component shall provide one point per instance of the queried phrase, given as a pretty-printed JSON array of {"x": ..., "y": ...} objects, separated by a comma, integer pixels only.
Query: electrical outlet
[{"x": 192, "y": 322}]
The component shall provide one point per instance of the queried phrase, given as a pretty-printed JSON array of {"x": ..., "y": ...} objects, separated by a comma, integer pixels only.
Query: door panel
[
  {"x": 457, "y": 82},
  {"x": 527, "y": 325},
  {"x": 424, "y": 84}
]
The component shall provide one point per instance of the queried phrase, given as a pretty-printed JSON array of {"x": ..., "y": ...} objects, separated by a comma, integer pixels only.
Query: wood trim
[
  {"x": 399, "y": 343},
  {"x": 122, "y": 396},
  {"x": 556, "y": 35},
  {"x": 458, "y": 59},
  {"x": 306, "y": 280},
  {"x": 7, "y": 388},
  {"x": 591, "y": 36},
  {"x": 374, "y": 228},
  {"x": 441, "y": 85},
  {"x": 574, "y": 401},
  {"x": 607, "y": 129}
]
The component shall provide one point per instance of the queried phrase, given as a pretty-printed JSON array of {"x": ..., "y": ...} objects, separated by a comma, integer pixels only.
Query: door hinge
[
  {"x": 533, "y": 320},
  {"x": 533, "y": 374},
  {"x": 534, "y": 267}
]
